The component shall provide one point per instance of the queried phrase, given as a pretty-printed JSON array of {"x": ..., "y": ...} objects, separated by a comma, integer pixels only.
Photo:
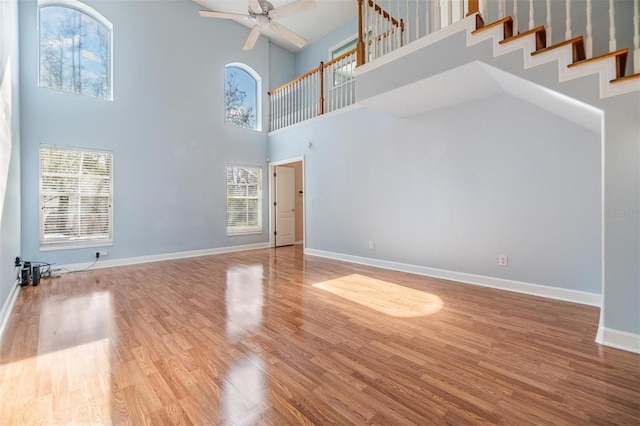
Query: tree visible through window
[
  {"x": 241, "y": 98},
  {"x": 244, "y": 199},
  {"x": 75, "y": 49},
  {"x": 76, "y": 195}
]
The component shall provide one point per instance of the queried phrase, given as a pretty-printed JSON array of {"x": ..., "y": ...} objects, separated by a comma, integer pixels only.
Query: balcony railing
[
  {"x": 387, "y": 25},
  {"x": 329, "y": 87}
]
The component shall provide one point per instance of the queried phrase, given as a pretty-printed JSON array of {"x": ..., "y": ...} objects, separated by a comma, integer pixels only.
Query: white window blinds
[
  {"x": 244, "y": 199},
  {"x": 76, "y": 193}
]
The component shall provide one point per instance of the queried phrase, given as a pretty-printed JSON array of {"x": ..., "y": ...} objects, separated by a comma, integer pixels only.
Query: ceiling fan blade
[
  {"x": 223, "y": 15},
  {"x": 253, "y": 37},
  {"x": 292, "y": 8},
  {"x": 288, "y": 34},
  {"x": 255, "y": 6}
]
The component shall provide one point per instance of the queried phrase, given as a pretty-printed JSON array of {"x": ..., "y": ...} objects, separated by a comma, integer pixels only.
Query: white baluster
[
  {"x": 462, "y": 14},
  {"x": 612, "y": 26},
  {"x": 427, "y": 15},
  {"x": 502, "y": 9},
  {"x": 449, "y": 12},
  {"x": 532, "y": 23},
  {"x": 399, "y": 14},
  {"x": 636, "y": 37},
  {"x": 417, "y": 19},
  {"x": 567, "y": 33},
  {"x": 437, "y": 16},
  {"x": 485, "y": 10},
  {"x": 589, "y": 43},
  {"x": 549, "y": 36},
  {"x": 516, "y": 25}
]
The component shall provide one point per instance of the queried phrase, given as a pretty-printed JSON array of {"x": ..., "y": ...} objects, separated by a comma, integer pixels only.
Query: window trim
[
  {"x": 245, "y": 231},
  {"x": 256, "y": 77},
  {"x": 83, "y": 243},
  {"x": 330, "y": 56},
  {"x": 92, "y": 13}
]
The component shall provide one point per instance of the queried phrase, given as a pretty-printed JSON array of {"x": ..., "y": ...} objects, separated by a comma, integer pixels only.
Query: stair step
[
  {"x": 620, "y": 57},
  {"x": 626, "y": 78},
  {"x": 540, "y": 33},
  {"x": 506, "y": 22},
  {"x": 479, "y": 21},
  {"x": 577, "y": 48}
]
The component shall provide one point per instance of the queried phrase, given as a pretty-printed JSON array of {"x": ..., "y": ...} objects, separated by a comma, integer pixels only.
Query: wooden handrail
[
  {"x": 313, "y": 71},
  {"x": 294, "y": 81},
  {"x": 386, "y": 15},
  {"x": 341, "y": 57}
]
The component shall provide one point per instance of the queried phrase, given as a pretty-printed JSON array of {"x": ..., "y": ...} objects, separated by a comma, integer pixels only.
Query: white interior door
[{"x": 285, "y": 206}]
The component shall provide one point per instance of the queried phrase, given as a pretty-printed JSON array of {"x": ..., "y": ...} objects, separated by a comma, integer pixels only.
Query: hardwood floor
[{"x": 274, "y": 337}]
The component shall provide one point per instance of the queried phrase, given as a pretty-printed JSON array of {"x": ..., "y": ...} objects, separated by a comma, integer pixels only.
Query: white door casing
[{"x": 285, "y": 206}]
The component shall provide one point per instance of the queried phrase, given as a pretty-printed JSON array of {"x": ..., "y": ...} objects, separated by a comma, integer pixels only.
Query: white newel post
[
  {"x": 567, "y": 33},
  {"x": 589, "y": 44},
  {"x": 612, "y": 26},
  {"x": 636, "y": 37}
]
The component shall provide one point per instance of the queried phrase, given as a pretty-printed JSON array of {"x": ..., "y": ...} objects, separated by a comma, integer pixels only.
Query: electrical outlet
[
  {"x": 100, "y": 254},
  {"x": 503, "y": 260},
  {"x": 372, "y": 245}
]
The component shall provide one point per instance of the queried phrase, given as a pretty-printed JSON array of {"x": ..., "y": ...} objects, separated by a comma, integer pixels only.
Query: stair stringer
[{"x": 605, "y": 69}]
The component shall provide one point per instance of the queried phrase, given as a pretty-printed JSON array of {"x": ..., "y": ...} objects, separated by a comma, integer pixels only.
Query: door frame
[{"x": 272, "y": 198}]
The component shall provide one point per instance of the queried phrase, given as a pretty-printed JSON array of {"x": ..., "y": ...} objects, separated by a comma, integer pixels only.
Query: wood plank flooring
[{"x": 273, "y": 337}]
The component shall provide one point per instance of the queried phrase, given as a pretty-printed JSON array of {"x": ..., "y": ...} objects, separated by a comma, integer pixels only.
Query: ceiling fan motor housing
[{"x": 266, "y": 8}]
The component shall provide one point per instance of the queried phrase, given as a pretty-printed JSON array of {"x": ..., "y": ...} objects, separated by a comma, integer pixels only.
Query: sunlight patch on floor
[{"x": 382, "y": 296}]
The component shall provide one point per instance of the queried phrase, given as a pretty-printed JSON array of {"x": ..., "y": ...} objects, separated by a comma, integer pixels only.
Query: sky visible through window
[
  {"x": 240, "y": 98},
  {"x": 74, "y": 52}
]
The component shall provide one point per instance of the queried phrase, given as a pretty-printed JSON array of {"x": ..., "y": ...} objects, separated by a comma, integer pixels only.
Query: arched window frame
[
  {"x": 256, "y": 77},
  {"x": 93, "y": 14}
]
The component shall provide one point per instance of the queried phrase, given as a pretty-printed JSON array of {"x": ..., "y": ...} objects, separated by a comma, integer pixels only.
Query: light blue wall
[
  {"x": 282, "y": 66},
  {"x": 9, "y": 148},
  {"x": 431, "y": 192},
  {"x": 621, "y": 308},
  {"x": 311, "y": 56},
  {"x": 165, "y": 127}
]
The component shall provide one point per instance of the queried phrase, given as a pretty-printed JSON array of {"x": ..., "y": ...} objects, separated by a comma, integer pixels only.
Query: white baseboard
[
  {"x": 575, "y": 296},
  {"x": 110, "y": 263},
  {"x": 7, "y": 308},
  {"x": 297, "y": 243},
  {"x": 619, "y": 339}
]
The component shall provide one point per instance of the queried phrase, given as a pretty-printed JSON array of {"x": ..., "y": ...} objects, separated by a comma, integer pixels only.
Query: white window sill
[
  {"x": 247, "y": 232},
  {"x": 79, "y": 245}
]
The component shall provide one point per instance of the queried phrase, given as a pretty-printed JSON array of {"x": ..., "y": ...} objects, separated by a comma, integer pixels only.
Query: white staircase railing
[{"x": 388, "y": 25}]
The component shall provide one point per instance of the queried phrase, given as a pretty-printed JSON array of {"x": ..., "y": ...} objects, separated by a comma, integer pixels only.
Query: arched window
[
  {"x": 75, "y": 48},
  {"x": 242, "y": 96}
]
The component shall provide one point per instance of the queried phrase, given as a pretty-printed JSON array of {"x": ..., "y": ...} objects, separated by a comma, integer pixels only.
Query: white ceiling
[{"x": 312, "y": 25}]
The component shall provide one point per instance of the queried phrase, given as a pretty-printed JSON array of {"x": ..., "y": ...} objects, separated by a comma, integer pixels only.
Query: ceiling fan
[{"x": 264, "y": 15}]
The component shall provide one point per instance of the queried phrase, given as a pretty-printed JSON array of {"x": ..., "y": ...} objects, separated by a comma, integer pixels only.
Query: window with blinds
[
  {"x": 244, "y": 199},
  {"x": 76, "y": 194}
]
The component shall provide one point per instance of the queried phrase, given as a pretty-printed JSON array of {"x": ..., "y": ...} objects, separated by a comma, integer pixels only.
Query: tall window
[
  {"x": 343, "y": 71},
  {"x": 244, "y": 199},
  {"x": 75, "y": 48},
  {"x": 76, "y": 194},
  {"x": 242, "y": 96}
]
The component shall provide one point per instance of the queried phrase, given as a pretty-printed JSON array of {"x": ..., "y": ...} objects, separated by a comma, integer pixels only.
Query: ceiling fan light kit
[{"x": 265, "y": 15}]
